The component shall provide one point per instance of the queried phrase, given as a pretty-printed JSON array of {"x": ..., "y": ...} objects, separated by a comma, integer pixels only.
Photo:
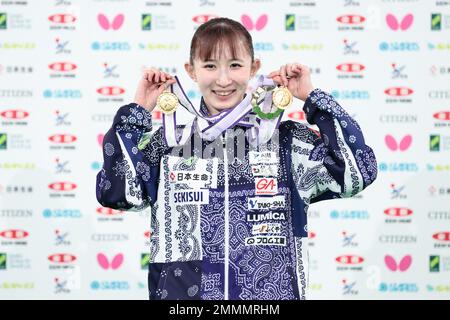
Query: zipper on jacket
[{"x": 227, "y": 209}]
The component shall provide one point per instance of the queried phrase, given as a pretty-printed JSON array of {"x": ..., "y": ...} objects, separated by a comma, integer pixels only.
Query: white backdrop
[{"x": 386, "y": 61}]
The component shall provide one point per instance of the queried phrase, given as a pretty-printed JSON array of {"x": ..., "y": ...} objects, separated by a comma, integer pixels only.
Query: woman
[{"x": 226, "y": 226}]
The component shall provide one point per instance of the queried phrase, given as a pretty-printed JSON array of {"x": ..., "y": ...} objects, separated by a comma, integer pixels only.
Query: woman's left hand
[{"x": 296, "y": 77}]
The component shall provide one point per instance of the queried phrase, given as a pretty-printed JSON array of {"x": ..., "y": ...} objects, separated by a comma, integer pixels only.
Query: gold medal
[
  {"x": 256, "y": 108},
  {"x": 281, "y": 97},
  {"x": 167, "y": 102}
]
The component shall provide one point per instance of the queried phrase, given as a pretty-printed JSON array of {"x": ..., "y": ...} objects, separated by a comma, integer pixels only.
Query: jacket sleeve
[
  {"x": 129, "y": 177},
  {"x": 335, "y": 164}
]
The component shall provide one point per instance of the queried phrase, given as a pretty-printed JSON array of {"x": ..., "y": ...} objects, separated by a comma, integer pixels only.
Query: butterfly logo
[
  {"x": 392, "y": 265},
  {"x": 106, "y": 25},
  {"x": 100, "y": 138},
  {"x": 249, "y": 25},
  {"x": 105, "y": 264},
  {"x": 392, "y": 144},
  {"x": 393, "y": 24}
]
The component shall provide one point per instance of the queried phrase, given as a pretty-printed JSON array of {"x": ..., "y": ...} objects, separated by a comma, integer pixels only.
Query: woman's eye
[
  {"x": 209, "y": 66},
  {"x": 236, "y": 65}
]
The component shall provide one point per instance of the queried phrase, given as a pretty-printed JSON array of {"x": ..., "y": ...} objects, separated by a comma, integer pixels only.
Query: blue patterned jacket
[{"x": 233, "y": 227}]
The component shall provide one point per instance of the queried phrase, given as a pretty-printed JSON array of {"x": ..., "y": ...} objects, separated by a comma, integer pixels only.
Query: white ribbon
[{"x": 211, "y": 127}]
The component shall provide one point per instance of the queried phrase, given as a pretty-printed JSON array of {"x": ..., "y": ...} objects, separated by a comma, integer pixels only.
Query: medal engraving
[
  {"x": 282, "y": 98},
  {"x": 167, "y": 102}
]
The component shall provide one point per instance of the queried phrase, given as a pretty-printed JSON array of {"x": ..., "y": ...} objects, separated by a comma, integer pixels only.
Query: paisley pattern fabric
[{"x": 226, "y": 226}]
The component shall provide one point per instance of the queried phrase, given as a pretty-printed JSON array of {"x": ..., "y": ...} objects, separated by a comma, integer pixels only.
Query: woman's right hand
[{"x": 151, "y": 85}]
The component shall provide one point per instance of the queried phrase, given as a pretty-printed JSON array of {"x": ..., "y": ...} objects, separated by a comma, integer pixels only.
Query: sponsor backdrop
[{"x": 66, "y": 66}]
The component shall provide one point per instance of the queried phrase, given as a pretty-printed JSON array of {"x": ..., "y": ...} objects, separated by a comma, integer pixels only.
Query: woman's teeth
[{"x": 223, "y": 93}]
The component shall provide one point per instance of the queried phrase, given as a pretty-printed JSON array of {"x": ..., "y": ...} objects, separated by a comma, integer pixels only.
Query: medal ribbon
[{"x": 211, "y": 127}]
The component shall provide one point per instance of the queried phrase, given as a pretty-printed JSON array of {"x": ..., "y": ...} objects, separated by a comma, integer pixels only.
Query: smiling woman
[
  {"x": 230, "y": 190},
  {"x": 222, "y": 62}
]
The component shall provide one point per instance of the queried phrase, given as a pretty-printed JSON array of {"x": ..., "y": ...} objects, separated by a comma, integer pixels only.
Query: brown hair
[{"x": 211, "y": 37}]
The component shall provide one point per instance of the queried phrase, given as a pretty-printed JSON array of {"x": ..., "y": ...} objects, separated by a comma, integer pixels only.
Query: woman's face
[{"x": 223, "y": 80}]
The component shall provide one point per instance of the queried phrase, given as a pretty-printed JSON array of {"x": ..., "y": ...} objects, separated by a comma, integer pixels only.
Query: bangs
[
  {"x": 212, "y": 46},
  {"x": 214, "y": 38}
]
